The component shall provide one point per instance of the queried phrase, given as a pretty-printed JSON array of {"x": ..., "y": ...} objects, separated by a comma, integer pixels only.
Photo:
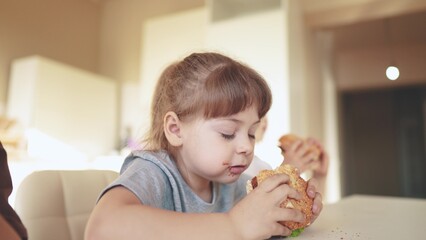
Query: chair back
[{"x": 56, "y": 204}]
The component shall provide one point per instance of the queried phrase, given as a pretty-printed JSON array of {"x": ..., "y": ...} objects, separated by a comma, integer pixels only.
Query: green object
[{"x": 297, "y": 232}]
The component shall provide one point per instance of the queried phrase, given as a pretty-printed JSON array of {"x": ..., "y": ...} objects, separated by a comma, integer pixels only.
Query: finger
[
  {"x": 303, "y": 147},
  {"x": 313, "y": 156},
  {"x": 316, "y": 142},
  {"x": 322, "y": 169},
  {"x": 325, "y": 160},
  {"x": 317, "y": 205},
  {"x": 305, "y": 152},
  {"x": 308, "y": 156},
  {"x": 310, "y": 162},
  {"x": 295, "y": 146},
  {"x": 289, "y": 214},
  {"x": 280, "y": 230},
  {"x": 284, "y": 191},
  {"x": 315, "y": 165},
  {"x": 273, "y": 182},
  {"x": 312, "y": 187}
]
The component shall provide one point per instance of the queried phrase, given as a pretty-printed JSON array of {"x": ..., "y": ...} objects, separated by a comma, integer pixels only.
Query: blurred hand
[
  {"x": 321, "y": 169},
  {"x": 298, "y": 155}
]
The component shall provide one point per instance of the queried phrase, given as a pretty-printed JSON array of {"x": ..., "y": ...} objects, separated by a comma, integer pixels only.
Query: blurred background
[{"x": 77, "y": 76}]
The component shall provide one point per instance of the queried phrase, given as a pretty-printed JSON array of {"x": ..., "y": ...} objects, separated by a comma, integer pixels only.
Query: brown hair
[{"x": 208, "y": 84}]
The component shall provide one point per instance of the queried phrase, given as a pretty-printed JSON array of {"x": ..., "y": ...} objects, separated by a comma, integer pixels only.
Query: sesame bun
[{"x": 304, "y": 204}]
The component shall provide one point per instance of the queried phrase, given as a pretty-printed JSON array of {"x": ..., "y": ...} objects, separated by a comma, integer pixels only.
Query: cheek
[
  {"x": 211, "y": 151},
  {"x": 209, "y": 147}
]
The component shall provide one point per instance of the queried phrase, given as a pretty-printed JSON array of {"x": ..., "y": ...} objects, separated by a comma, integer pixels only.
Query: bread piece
[
  {"x": 287, "y": 140},
  {"x": 296, "y": 182}
]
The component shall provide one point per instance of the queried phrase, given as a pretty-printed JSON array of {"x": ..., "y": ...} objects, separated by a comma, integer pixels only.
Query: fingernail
[
  {"x": 315, "y": 208},
  {"x": 311, "y": 192},
  {"x": 287, "y": 232}
]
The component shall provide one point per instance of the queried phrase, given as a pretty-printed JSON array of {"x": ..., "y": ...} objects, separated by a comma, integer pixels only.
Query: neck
[{"x": 201, "y": 186}]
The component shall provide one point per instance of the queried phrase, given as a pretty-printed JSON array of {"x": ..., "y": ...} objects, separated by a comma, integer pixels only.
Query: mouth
[{"x": 236, "y": 170}]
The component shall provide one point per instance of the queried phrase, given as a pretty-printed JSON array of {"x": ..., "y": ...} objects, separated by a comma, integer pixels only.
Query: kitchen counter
[{"x": 366, "y": 217}]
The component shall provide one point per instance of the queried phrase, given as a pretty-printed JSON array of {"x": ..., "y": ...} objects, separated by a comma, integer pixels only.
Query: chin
[
  {"x": 225, "y": 178},
  {"x": 230, "y": 178}
]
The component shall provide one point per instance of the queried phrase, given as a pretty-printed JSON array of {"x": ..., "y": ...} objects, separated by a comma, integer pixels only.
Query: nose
[{"x": 245, "y": 146}]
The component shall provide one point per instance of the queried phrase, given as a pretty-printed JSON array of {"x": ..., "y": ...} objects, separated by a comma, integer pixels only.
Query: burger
[{"x": 303, "y": 204}]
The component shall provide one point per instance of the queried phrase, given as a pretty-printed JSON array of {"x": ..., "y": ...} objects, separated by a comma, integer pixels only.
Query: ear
[{"x": 172, "y": 129}]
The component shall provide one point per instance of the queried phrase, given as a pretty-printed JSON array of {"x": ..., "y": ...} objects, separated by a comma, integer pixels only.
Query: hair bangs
[{"x": 232, "y": 88}]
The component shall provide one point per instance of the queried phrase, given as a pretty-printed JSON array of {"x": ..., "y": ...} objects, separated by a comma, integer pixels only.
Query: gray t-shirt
[{"x": 154, "y": 178}]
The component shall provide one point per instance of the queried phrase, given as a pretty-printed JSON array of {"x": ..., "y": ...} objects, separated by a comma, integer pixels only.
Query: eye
[
  {"x": 252, "y": 136},
  {"x": 228, "y": 136}
]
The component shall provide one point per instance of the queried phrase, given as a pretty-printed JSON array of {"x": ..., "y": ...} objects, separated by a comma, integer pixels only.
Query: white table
[{"x": 365, "y": 217}]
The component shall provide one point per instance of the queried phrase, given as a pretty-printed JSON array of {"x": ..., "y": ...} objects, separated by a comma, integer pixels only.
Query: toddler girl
[{"x": 188, "y": 182}]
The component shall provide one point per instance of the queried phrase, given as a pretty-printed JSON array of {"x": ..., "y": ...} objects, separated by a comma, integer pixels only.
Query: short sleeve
[{"x": 148, "y": 182}]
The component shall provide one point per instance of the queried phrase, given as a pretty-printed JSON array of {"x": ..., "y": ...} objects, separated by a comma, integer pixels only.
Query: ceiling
[
  {"x": 355, "y": 23},
  {"x": 363, "y": 49},
  {"x": 399, "y": 30},
  {"x": 153, "y": 8}
]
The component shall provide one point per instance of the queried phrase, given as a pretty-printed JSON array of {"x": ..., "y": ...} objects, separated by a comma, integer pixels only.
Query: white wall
[
  {"x": 167, "y": 39},
  {"x": 64, "y": 104},
  {"x": 67, "y": 31},
  {"x": 330, "y": 115}
]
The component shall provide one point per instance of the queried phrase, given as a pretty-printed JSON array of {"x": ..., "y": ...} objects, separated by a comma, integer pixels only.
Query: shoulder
[
  {"x": 148, "y": 178},
  {"x": 152, "y": 166},
  {"x": 161, "y": 159}
]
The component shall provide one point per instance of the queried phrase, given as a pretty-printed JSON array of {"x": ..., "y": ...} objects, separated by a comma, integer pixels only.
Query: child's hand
[
  {"x": 299, "y": 156},
  {"x": 257, "y": 215},
  {"x": 321, "y": 168}
]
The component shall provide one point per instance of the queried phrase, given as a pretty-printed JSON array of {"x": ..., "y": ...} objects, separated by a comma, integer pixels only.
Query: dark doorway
[{"x": 383, "y": 147}]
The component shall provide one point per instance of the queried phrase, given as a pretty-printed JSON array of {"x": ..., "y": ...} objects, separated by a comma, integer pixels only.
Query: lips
[{"x": 237, "y": 169}]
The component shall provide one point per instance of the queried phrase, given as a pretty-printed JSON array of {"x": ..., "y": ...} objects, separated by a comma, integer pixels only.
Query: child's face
[{"x": 218, "y": 149}]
